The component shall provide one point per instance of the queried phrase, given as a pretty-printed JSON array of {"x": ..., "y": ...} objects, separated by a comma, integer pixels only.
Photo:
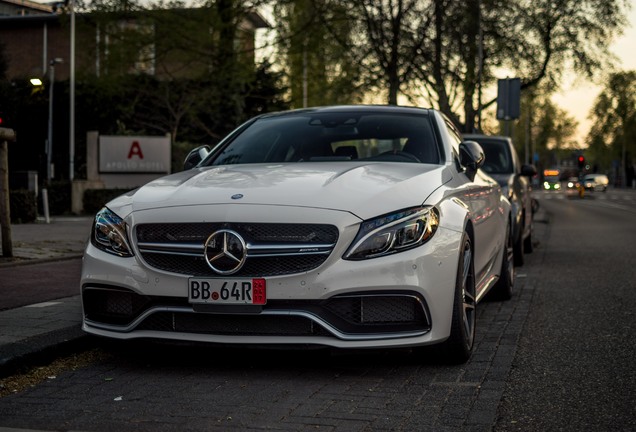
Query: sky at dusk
[{"x": 578, "y": 95}]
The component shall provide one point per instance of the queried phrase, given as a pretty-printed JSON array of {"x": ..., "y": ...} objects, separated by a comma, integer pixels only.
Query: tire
[
  {"x": 458, "y": 347},
  {"x": 503, "y": 288}
]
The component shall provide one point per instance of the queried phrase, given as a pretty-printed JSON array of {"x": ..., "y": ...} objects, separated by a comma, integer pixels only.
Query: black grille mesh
[
  {"x": 379, "y": 310},
  {"x": 255, "y": 234},
  {"x": 245, "y": 325},
  {"x": 251, "y": 232},
  {"x": 113, "y": 306},
  {"x": 263, "y": 266}
]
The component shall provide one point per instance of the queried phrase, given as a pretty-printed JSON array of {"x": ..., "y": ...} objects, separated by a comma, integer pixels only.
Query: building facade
[{"x": 164, "y": 43}]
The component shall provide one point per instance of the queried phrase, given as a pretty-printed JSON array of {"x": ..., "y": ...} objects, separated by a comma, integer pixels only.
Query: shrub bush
[
  {"x": 95, "y": 199},
  {"x": 59, "y": 193},
  {"x": 22, "y": 205}
]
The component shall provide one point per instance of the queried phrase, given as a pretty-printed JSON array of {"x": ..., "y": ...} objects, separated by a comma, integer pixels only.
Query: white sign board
[{"x": 134, "y": 154}]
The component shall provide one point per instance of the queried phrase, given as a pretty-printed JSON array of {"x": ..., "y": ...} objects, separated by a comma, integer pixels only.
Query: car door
[
  {"x": 484, "y": 201},
  {"x": 487, "y": 219}
]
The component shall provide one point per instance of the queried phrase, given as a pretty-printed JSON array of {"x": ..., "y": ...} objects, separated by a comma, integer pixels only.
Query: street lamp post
[
  {"x": 71, "y": 157},
  {"x": 49, "y": 140}
]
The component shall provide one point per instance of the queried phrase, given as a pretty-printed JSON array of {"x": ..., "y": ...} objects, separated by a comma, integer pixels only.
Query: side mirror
[
  {"x": 195, "y": 156},
  {"x": 471, "y": 157},
  {"x": 528, "y": 170}
]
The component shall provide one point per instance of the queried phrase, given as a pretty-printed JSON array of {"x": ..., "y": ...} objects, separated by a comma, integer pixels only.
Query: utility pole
[
  {"x": 71, "y": 141},
  {"x": 5, "y": 209}
]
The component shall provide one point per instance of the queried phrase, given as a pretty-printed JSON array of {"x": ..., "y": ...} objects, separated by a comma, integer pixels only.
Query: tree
[
  {"x": 613, "y": 131},
  {"x": 190, "y": 76},
  {"x": 7, "y": 93},
  {"x": 319, "y": 67},
  {"x": 544, "y": 130},
  {"x": 265, "y": 93},
  {"x": 387, "y": 40},
  {"x": 545, "y": 37},
  {"x": 4, "y": 63},
  {"x": 447, "y": 50}
]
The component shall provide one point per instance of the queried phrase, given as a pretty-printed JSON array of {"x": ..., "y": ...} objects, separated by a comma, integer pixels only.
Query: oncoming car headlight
[
  {"x": 109, "y": 234},
  {"x": 394, "y": 233}
]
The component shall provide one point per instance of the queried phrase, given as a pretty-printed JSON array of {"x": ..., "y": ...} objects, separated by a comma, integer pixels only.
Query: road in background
[{"x": 574, "y": 364}]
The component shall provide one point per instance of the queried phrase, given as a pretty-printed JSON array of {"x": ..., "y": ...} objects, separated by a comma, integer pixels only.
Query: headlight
[
  {"x": 394, "y": 233},
  {"x": 109, "y": 234}
]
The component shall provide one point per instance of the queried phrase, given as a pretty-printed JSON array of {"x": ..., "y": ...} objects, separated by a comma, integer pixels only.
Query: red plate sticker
[{"x": 259, "y": 291}]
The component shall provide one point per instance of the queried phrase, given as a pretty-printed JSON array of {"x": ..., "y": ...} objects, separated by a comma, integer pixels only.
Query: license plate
[{"x": 227, "y": 291}]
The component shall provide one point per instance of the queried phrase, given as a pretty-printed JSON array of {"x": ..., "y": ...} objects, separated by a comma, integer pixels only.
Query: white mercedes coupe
[{"x": 345, "y": 227}]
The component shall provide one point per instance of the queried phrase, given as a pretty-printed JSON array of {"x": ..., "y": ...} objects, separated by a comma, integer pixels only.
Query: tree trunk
[{"x": 470, "y": 60}]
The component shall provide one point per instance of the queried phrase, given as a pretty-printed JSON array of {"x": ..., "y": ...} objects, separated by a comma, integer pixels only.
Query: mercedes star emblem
[{"x": 225, "y": 251}]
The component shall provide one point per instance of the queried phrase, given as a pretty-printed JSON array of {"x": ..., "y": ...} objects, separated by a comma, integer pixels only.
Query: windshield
[
  {"x": 340, "y": 136},
  {"x": 498, "y": 158}
]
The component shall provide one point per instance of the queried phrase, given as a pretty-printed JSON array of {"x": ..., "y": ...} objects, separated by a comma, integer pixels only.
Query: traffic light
[{"x": 581, "y": 161}]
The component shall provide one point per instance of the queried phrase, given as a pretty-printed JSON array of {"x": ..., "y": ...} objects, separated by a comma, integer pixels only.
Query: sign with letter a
[{"x": 134, "y": 154}]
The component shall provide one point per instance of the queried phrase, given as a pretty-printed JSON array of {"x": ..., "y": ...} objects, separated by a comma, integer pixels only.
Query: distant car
[
  {"x": 350, "y": 227},
  {"x": 573, "y": 187},
  {"x": 502, "y": 163},
  {"x": 551, "y": 183},
  {"x": 595, "y": 182}
]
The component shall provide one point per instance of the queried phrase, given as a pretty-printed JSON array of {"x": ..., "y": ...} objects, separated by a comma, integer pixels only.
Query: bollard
[{"x": 45, "y": 205}]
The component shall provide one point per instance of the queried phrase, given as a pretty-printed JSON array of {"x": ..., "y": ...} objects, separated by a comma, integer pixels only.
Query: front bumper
[{"x": 400, "y": 300}]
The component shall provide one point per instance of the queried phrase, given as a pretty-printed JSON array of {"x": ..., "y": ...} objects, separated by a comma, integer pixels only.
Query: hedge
[
  {"x": 22, "y": 206},
  {"x": 95, "y": 199}
]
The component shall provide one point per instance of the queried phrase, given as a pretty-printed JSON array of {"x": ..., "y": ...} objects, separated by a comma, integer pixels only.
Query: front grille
[{"x": 273, "y": 249}]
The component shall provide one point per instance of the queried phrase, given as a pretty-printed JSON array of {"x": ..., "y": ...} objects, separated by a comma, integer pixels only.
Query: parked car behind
[
  {"x": 502, "y": 163},
  {"x": 595, "y": 182},
  {"x": 348, "y": 227}
]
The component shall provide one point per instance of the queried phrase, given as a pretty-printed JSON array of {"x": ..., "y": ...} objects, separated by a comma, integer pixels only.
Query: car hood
[{"x": 364, "y": 189}]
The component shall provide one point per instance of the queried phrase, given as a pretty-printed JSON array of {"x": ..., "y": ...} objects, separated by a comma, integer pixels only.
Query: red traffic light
[{"x": 581, "y": 160}]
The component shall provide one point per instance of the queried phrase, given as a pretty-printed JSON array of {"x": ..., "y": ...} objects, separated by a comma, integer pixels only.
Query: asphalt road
[
  {"x": 34, "y": 283},
  {"x": 574, "y": 367}
]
